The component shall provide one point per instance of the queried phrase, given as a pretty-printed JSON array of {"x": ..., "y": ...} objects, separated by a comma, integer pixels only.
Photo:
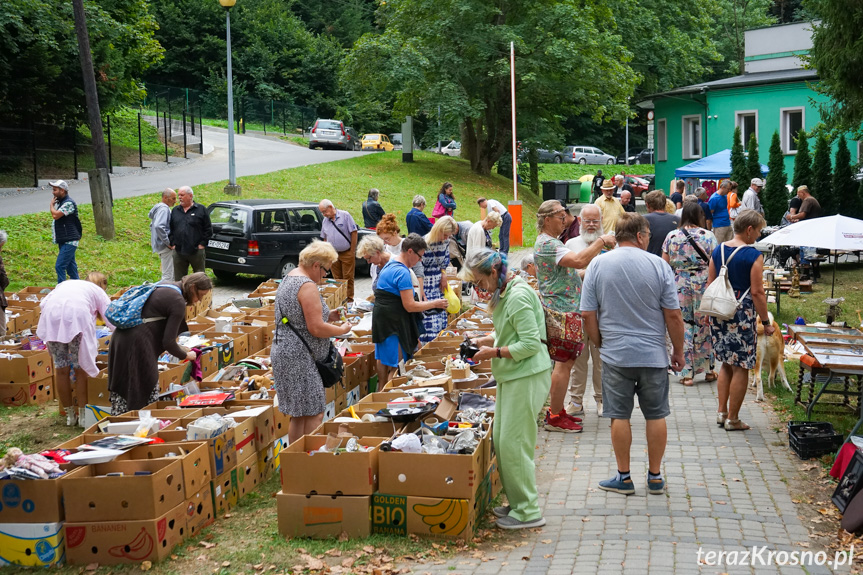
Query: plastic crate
[{"x": 809, "y": 439}]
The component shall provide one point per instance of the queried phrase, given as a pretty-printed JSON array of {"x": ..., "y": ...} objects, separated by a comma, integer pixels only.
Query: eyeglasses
[
  {"x": 646, "y": 232},
  {"x": 591, "y": 221}
]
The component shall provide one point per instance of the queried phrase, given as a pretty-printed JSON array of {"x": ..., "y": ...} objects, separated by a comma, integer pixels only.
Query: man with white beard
[{"x": 590, "y": 221}]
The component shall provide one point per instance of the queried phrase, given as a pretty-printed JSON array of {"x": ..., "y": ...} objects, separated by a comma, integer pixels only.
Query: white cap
[
  {"x": 59, "y": 184},
  {"x": 757, "y": 182}
]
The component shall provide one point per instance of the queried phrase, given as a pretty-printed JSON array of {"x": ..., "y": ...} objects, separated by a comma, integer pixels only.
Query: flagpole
[{"x": 512, "y": 98}]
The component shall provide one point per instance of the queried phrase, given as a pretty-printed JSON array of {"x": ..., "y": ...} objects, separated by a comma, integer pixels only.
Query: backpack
[
  {"x": 125, "y": 312},
  {"x": 718, "y": 300}
]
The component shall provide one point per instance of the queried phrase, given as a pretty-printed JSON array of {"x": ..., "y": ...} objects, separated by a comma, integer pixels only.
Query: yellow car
[{"x": 377, "y": 142}]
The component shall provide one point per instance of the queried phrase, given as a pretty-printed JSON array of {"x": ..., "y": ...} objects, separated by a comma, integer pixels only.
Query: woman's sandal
[
  {"x": 711, "y": 376},
  {"x": 687, "y": 381},
  {"x": 720, "y": 418},
  {"x": 735, "y": 425}
]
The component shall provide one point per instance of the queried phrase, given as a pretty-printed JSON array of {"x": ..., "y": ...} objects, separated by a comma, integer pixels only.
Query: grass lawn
[
  {"x": 29, "y": 255},
  {"x": 575, "y": 171}
]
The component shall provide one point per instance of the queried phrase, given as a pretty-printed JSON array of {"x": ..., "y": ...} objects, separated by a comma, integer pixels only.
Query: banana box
[
  {"x": 31, "y": 367},
  {"x": 248, "y": 476},
  {"x": 34, "y": 393},
  {"x": 225, "y": 491},
  {"x": 199, "y": 511},
  {"x": 361, "y": 428},
  {"x": 430, "y": 475},
  {"x": 193, "y": 456},
  {"x": 268, "y": 459},
  {"x": 32, "y": 544},
  {"x": 323, "y": 516},
  {"x": 352, "y": 397},
  {"x": 423, "y": 516},
  {"x": 330, "y": 410},
  {"x": 305, "y": 471},
  {"x": 222, "y": 448},
  {"x": 115, "y": 542},
  {"x": 29, "y": 501}
]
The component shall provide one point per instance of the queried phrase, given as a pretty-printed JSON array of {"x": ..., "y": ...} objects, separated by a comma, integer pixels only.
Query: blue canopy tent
[{"x": 712, "y": 167}]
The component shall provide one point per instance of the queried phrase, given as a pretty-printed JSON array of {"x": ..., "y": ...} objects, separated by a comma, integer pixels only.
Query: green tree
[
  {"x": 734, "y": 18},
  {"x": 39, "y": 57},
  {"x": 753, "y": 164},
  {"x": 562, "y": 69},
  {"x": 738, "y": 159},
  {"x": 802, "y": 162},
  {"x": 844, "y": 184},
  {"x": 775, "y": 193},
  {"x": 822, "y": 177},
  {"x": 835, "y": 53}
]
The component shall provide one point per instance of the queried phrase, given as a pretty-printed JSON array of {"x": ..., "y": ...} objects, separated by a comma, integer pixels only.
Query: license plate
[{"x": 217, "y": 245}]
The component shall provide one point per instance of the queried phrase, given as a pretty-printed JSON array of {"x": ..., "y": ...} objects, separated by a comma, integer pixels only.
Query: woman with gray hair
[
  {"x": 528, "y": 268},
  {"x": 521, "y": 367},
  {"x": 372, "y": 210},
  {"x": 559, "y": 286},
  {"x": 4, "y": 283},
  {"x": 417, "y": 222}
]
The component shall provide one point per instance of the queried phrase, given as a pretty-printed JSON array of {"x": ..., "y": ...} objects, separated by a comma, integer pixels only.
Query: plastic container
[{"x": 810, "y": 439}]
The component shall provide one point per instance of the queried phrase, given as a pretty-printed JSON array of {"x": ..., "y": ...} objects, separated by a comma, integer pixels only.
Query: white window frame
[
  {"x": 738, "y": 123},
  {"x": 683, "y": 124},
  {"x": 784, "y": 133},
  {"x": 661, "y": 140}
]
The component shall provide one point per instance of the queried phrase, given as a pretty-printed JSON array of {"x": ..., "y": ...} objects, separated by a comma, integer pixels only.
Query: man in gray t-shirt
[{"x": 628, "y": 302}]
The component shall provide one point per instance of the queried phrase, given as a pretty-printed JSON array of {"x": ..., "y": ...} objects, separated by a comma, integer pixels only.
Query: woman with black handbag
[
  {"x": 686, "y": 250},
  {"x": 302, "y": 344}
]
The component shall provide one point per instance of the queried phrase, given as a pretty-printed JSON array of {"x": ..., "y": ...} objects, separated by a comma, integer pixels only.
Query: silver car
[
  {"x": 586, "y": 155},
  {"x": 330, "y": 134},
  {"x": 452, "y": 149}
]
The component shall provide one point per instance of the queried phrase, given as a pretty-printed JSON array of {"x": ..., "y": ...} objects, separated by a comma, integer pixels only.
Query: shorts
[
  {"x": 621, "y": 384},
  {"x": 65, "y": 354}
]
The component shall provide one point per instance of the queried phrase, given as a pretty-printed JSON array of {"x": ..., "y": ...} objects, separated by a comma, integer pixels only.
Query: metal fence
[{"x": 267, "y": 116}]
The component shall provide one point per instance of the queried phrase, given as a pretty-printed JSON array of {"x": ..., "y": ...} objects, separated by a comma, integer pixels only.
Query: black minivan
[{"x": 263, "y": 237}]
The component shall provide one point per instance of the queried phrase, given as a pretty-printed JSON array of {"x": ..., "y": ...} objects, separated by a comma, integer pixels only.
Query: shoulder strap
[
  {"x": 696, "y": 246},
  {"x": 338, "y": 229}
]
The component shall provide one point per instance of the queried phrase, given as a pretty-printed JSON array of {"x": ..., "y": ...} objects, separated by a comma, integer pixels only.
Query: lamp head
[{"x": 228, "y": 4}]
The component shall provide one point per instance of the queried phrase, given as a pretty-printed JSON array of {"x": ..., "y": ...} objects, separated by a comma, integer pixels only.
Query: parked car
[
  {"x": 543, "y": 156},
  {"x": 264, "y": 237},
  {"x": 354, "y": 140},
  {"x": 329, "y": 134},
  {"x": 452, "y": 149},
  {"x": 637, "y": 156},
  {"x": 651, "y": 181},
  {"x": 396, "y": 139},
  {"x": 586, "y": 155},
  {"x": 378, "y": 142},
  {"x": 639, "y": 185}
]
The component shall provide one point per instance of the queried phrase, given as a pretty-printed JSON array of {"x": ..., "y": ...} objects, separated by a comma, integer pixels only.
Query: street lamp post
[{"x": 232, "y": 188}]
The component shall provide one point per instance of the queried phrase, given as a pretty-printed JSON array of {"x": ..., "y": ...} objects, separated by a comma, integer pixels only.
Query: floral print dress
[{"x": 690, "y": 276}]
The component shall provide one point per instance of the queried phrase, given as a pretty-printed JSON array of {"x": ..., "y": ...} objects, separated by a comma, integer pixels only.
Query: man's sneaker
[
  {"x": 513, "y": 523},
  {"x": 572, "y": 409},
  {"x": 599, "y": 409},
  {"x": 501, "y": 511},
  {"x": 561, "y": 422},
  {"x": 656, "y": 486},
  {"x": 617, "y": 486}
]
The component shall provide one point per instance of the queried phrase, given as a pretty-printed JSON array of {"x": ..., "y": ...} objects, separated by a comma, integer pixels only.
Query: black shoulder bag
[
  {"x": 331, "y": 368},
  {"x": 695, "y": 245}
]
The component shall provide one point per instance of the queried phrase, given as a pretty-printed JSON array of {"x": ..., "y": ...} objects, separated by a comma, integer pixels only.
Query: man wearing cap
[
  {"x": 66, "y": 230},
  {"x": 610, "y": 206},
  {"x": 750, "y": 197}
]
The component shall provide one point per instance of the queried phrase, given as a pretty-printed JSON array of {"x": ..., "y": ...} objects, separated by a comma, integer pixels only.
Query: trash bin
[
  {"x": 586, "y": 192},
  {"x": 573, "y": 191},
  {"x": 555, "y": 190}
]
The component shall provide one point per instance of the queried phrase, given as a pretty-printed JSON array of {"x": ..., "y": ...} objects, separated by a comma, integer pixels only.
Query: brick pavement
[{"x": 726, "y": 491}]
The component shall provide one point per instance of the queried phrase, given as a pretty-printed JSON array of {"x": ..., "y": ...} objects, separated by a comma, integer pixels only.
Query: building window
[
  {"x": 691, "y": 137},
  {"x": 747, "y": 121},
  {"x": 792, "y": 121},
  {"x": 661, "y": 140}
]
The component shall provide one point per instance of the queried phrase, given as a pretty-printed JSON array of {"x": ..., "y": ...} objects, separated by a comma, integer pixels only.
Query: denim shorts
[
  {"x": 621, "y": 384},
  {"x": 65, "y": 354}
]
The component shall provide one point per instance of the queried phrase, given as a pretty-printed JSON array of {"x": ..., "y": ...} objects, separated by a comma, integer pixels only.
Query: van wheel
[
  {"x": 287, "y": 266},
  {"x": 224, "y": 275}
]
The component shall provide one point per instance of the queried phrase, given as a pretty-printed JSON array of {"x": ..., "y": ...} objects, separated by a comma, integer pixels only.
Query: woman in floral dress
[
  {"x": 435, "y": 261},
  {"x": 690, "y": 274}
]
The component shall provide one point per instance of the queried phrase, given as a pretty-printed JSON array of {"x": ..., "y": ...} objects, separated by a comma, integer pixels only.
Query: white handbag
[{"x": 718, "y": 300}]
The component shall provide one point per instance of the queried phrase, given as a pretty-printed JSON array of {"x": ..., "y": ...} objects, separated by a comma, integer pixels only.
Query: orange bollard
[{"x": 516, "y": 237}]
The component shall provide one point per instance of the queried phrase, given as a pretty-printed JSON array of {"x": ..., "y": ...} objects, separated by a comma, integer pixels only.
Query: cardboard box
[
  {"x": 97, "y": 390},
  {"x": 361, "y": 428},
  {"x": 330, "y": 410},
  {"x": 32, "y": 544},
  {"x": 33, "y": 366},
  {"x": 422, "y": 516},
  {"x": 221, "y": 449},
  {"x": 323, "y": 516},
  {"x": 225, "y": 491},
  {"x": 263, "y": 425},
  {"x": 209, "y": 363},
  {"x": 352, "y": 397},
  {"x": 29, "y": 501},
  {"x": 239, "y": 339},
  {"x": 303, "y": 474},
  {"x": 93, "y": 414},
  {"x": 174, "y": 375},
  {"x": 92, "y": 496},
  {"x": 426, "y": 475},
  {"x": 254, "y": 335},
  {"x": 199, "y": 510},
  {"x": 248, "y": 475},
  {"x": 34, "y": 393},
  {"x": 267, "y": 460},
  {"x": 127, "y": 541},
  {"x": 193, "y": 457}
]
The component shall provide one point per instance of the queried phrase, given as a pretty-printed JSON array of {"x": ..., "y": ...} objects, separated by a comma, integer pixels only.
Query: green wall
[{"x": 767, "y": 100}]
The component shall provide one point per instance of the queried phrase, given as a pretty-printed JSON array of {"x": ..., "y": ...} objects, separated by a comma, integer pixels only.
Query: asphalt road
[{"x": 254, "y": 155}]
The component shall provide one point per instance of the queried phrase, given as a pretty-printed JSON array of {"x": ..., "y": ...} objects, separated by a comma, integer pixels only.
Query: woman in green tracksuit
[{"x": 522, "y": 367}]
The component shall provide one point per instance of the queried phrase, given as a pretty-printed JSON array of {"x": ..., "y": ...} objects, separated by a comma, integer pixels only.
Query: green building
[{"x": 773, "y": 94}]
